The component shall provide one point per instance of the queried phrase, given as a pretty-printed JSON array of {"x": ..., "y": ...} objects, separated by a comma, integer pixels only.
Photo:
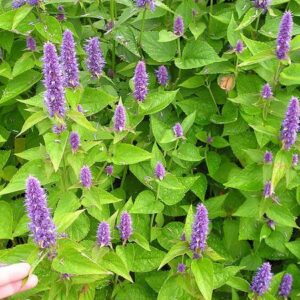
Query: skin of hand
[{"x": 11, "y": 279}]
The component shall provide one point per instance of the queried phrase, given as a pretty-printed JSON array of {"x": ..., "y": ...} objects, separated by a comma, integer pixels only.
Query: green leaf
[
  {"x": 166, "y": 36},
  {"x": 157, "y": 101},
  {"x": 112, "y": 262},
  {"x": 20, "y": 15},
  {"x": 281, "y": 215},
  {"x": 247, "y": 179},
  {"x": 140, "y": 240},
  {"x": 20, "y": 84},
  {"x": 172, "y": 289},
  {"x": 80, "y": 119},
  {"x": 6, "y": 220},
  {"x": 32, "y": 120},
  {"x": 23, "y": 64},
  {"x": 178, "y": 249},
  {"x": 49, "y": 28},
  {"x": 94, "y": 100},
  {"x": 282, "y": 162},
  {"x": 197, "y": 54},
  {"x": 290, "y": 75},
  {"x": 98, "y": 196},
  {"x": 139, "y": 259},
  {"x": 55, "y": 147},
  {"x": 203, "y": 272},
  {"x": 160, "y": 52},
  {"x": 65, "y": 220},
  {"x": 126, "y": 154},
  {"x": 35, "y": 168},
  {"x": 197, "y": 29},
  {"x": 72, "y": 261},
  {"x": 145, "y": 203},
  {"x": 258, "y": 58},
  {"x": 188, "y": 152},
  {"x": 294, "y": 247},
  {"x": 249, "y": 17}
]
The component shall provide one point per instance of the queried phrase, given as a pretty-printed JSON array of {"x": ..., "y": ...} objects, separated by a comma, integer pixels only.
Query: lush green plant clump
[{"x": 149, "y": 148}]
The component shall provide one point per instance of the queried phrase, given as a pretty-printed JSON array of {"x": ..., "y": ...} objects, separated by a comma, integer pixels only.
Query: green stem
[
  {"x": 100, "y": 173},
  {"x": 277, "y": 75},
  {"x": 124, "y": 176},
  {"x": 171, "y": 160},
  {"x": 112, "y": 16},
  {"x": 34, "y": 265},
  {"x": 256, "y": 26},
  {"x": 213, "y": 97},
  {"x": 179, "y": 56},
  {"x": 142, "y": 29}
]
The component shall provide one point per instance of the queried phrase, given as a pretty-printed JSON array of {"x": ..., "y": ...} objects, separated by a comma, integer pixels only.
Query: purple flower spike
[
  {"x": 162, "y": 75},
  {"x": 69, "y": 60},
  {"x": 239, "y": 47},
  {"x": 86, "y": 177},
  {"x": 53, "y": 81},
  {"x": 183, "y": 237},
  {"x": 41, "y": 224},
  {"x": 125, "y": 226},
  {"x": 160, "y": 171},
  {"x": 295, "y": 160},
  {"x": 178, "y": 131},
  {"x": 199, "y": 230},
  {"x": 262, "y": 279},
  {"x": 31, "y": 43},
  {"x": 262, "y": 4},
  {"x": 284, "y": 35},
  {"x": 59, "y": 128},
  {"x": 286, "y": 286},
  {"x": 271, "y": 224},
  {"x": 268, "y": 157},
  {"x": 103, "y": 234},
  {"x": 145, "y": 4},
  {"x": 109, "y": 170},
  {"x": 266, "y": 92},
  {"x": 95, "y": 61},
  {"x": 140, "y": 82},
  {"x": 74, "y": 141},
  {"x": 178, "y": 27},
  {"x": 268, "y": 190},
  {"x": 120, "y": 118},
  {"x": 290, "y": 125},
  {"x": 18, "y": 3},
  {"x": 33, "y": 2},
  {"x": 80, "y": 108},
  {"x": 181, "y": 268}
]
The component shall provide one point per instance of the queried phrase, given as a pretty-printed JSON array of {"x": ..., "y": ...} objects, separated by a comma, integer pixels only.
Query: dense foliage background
[{"x": 217, "y": 69}]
